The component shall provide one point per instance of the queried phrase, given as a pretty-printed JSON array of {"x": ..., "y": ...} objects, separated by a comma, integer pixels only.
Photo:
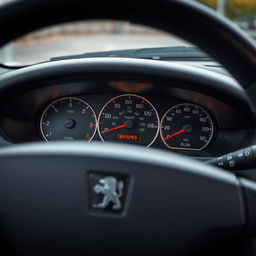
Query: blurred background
[{"x": 106, "y": 35}]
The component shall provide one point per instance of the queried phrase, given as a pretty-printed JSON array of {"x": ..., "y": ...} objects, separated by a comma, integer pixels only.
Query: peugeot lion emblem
[
  {"x": 107, "y": 192},
  {"x": 112, "y": 191}
]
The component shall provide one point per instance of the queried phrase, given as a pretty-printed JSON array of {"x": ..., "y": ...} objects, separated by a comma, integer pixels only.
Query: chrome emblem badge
[
  {"x": 112, "y": 191},
  {"x": 107, "y": 192}
]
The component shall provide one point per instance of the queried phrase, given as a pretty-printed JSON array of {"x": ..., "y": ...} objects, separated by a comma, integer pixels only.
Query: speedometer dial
[
  {"x": 129, "y": 119},
  {"x": 68, "y": 119},
  {"x": 186, "y": 126}
]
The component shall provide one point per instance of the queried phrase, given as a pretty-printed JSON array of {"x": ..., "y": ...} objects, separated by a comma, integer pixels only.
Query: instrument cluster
[{"x": 128, "y": 118}]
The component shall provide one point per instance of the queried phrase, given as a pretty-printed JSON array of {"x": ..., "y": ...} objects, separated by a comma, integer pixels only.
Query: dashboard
[
  {"x": 128, "y": 118},
  {"x": 126, "y": 111}
]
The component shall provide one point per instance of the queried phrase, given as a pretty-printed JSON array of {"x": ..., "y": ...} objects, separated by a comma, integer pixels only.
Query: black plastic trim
[{"x": 168, "y": 74}]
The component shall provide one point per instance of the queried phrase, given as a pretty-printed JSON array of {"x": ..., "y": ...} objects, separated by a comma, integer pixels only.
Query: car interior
[{"x": 144, "y": 151}]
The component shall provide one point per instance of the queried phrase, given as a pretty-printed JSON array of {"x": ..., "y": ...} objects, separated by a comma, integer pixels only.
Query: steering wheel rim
[
  {"x": 28, "y": 169},
  {"x": 224, "y": 41}
]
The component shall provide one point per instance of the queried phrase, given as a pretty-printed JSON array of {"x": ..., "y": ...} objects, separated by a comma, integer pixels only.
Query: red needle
[
  {"x": 113, "y": 129},
  {"x": 175, "y": 134}
]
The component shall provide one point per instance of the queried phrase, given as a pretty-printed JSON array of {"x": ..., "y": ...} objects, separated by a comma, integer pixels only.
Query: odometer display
[
  {"x": 129, "y": 119},
  {"x": 186, "y": 126}
]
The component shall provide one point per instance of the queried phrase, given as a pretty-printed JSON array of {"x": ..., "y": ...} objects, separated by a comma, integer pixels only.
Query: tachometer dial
[
  {"x": 186, "y": 126},
  {"x": 68, "y": 119},
  {"x": 129, "y": 119}
]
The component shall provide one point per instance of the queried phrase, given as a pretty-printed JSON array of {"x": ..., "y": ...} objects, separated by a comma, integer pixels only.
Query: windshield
[{"x": 107, "y": 35}]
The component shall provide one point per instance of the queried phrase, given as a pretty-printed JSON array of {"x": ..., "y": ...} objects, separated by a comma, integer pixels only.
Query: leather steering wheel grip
[{"x": 191, "y": 21}]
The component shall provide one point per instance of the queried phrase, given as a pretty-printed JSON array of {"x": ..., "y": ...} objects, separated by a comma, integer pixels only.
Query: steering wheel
[{"x": 161, "y": 203}]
